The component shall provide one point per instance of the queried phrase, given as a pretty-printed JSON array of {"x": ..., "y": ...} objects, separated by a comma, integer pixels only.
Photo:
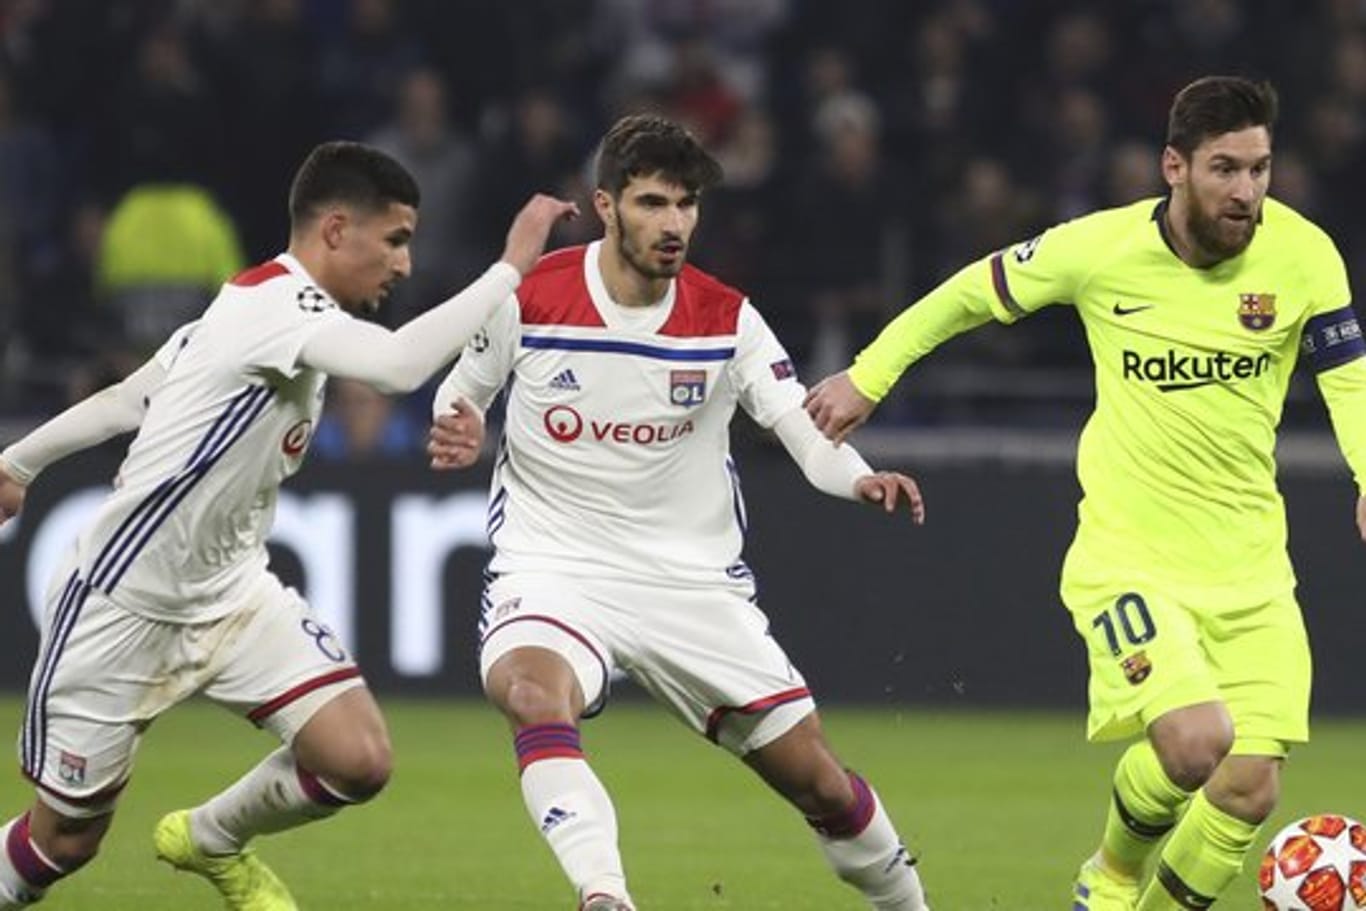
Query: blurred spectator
[
  {"x": 737, "y": 238},
  {"x": 162, "y": 125},
  {"x": 265, "y": 72},
  {"x": 28, "y": 201},
  {"x": 167, "y": 250},
  {"x": 1134, "y": 171},
  {"x": 535, "y": 149},
  {"x": 361, "y": 424},
  {"x": 363, "y": 69},
  {"x": 989, "y": 120},
  {"x": 847, "y": 243},
  {"x": 445, "y": 252},
  {"x": 698, "y": 95}
]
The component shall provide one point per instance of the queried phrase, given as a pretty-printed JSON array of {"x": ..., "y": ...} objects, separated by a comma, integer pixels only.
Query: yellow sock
[
  {"x": 1202, "y": 857},
  {"x": 1143, "y": 808}
]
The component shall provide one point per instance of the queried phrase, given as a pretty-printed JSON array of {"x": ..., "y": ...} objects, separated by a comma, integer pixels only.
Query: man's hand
[
  {"x": 11, "y": 496},
  {"x": 836, "y": 407},
  {"x": 887, "y": 487},
  {"x": 1361, "y": 516},
  {"x": 456, "y": 437},
  {"x": 530, "y": 229}
]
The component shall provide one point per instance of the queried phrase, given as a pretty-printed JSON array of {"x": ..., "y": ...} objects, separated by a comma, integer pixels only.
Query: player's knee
[
  {"x": 364, "y": 771},
  {"x": 830, "y": 792},
  {"x": 1190, "y": 757},
  {"x": 526, "y": 700}
]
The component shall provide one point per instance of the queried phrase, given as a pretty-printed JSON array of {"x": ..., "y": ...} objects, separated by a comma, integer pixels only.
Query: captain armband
[{"x": 1332, "y": 339}]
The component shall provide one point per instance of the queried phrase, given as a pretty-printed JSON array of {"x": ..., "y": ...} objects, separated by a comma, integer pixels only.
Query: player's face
[
  {"x": 371, "y": 255},
  {"x": 1223, "y": 184},
  {"x": 651, "y": 224}
]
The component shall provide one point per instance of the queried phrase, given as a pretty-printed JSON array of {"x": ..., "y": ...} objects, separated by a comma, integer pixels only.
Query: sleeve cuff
[{"x": 15, "y": 470}]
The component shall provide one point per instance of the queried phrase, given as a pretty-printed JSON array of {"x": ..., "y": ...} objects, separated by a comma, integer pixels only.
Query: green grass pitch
[{"x": 1000, "y": 807}]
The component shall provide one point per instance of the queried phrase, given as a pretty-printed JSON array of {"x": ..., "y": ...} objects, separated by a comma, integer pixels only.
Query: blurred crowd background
[{"x": 872, "y": 147}]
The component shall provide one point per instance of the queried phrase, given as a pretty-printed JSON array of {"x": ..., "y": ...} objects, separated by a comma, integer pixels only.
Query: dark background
[{"x": 961, "y": 612}]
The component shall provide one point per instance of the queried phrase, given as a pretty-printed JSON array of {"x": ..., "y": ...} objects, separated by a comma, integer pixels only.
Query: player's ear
[
  {"x": 1174, "y": 166},
  {"x": 604, "y": 205},
  {"x": 332, "y": 227}
]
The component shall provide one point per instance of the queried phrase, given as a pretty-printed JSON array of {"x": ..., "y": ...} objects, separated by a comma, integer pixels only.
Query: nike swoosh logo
[{"x": 1121, "y": 310}]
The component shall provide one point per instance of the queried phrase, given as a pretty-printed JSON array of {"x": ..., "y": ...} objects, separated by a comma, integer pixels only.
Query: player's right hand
[
  {"x": 531, "y": 228},
  {"x": 837, "y": 407},
  {"x": 11, "y": 496},
  {"x": 456, "y": 437}
]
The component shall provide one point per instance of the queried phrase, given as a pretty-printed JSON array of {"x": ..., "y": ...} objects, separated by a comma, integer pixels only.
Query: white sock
[
  {"x": 274, "y": 796},
  {"x": 571, "y": 808},
  {"x": 25, "y": 873},
  {"x": 863, "y": 848}
]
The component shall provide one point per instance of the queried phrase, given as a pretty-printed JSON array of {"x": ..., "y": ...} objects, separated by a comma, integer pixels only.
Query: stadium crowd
[{"x": 871, "y": 147}]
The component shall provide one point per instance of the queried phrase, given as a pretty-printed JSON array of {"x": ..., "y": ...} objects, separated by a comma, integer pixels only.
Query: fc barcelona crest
[
  {"x": 1257, "y": 311},
  {"x": 687, "y": 387}
]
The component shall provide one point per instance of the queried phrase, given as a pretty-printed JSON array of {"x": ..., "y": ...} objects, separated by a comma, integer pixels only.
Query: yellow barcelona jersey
[{"x": 1191, "y": 366}]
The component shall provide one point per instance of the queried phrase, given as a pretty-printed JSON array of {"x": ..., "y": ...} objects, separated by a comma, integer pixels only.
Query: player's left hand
[
  {"x": 887, "y": 488},
  {"x": 1361, "y": 516},
  {"x": 456, "y": 437}
]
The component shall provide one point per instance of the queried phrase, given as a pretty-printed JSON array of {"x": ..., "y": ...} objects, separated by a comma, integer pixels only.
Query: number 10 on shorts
[{"x": 1128, "y": 617}]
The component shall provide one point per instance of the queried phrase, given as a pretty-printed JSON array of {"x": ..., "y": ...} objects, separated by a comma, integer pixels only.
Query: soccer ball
[{"x": 1316, "y": 864}]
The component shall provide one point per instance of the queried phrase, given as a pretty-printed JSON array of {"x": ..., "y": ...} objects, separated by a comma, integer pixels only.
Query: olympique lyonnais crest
[
  {"x": 1257, "y": 311},
  {"x": 71, "y": 768},
  {"x": 687, "y": 387}
]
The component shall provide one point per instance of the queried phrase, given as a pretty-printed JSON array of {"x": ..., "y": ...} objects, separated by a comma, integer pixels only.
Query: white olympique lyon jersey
[
  {"x": 182, "y": 536},
  {"x": 615, "y": 460}
]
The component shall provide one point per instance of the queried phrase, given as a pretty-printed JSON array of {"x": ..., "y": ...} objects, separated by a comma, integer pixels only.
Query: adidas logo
[
  {"x": 555, "y": 817},
  {"x": 566, "y": 381}
]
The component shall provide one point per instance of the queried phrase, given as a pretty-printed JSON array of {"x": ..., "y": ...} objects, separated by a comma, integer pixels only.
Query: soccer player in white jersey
[
  {"x": 617, "y": 521},
  {"x": 166, "y": 593}
]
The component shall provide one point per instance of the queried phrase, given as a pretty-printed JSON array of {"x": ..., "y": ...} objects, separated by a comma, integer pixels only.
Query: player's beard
[
  {"x": 639, "y": 259},
  {"x": 1217, "y": 239}
]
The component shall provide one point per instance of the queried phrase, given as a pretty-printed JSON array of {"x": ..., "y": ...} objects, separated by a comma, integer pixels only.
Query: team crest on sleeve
[
  {"x": 687, "y": 387},
  {"x": 784, "y": 369},
  {"x": 1257, "y": 311},
  {"x": 311, "y": 300}
]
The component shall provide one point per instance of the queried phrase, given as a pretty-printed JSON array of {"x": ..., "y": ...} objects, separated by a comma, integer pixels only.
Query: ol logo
[{"x": 687, "y": 387}]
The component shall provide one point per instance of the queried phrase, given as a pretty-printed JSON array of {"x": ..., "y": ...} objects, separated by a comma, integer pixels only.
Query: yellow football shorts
[{"x": 1153, "y": 648}]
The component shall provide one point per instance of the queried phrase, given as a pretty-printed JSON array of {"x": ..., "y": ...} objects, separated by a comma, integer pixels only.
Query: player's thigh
[
  {"x": 554, "y": 613},
  {"x": 101, "y": 677},
  {"x": 709, "y": 656},
  {"x": 1261, "y": 661},
  {"x": 1144, "y": 651},
  {"x": 281, "y": 665}
]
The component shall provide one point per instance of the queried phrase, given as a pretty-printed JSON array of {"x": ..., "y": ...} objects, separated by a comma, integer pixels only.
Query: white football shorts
[
  {"x": 706, "y": 653},
  {"x": 104, "y": 674}
]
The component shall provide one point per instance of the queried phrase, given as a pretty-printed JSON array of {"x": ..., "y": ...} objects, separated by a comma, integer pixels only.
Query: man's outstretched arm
[{"x": 402, "y": 360}]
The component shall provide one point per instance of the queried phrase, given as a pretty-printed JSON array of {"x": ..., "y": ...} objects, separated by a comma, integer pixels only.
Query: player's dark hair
[
  {"x": 1215, "y": 105},
  {"x": 352, "y": 174},
  {"x": 640, "y": 145}
]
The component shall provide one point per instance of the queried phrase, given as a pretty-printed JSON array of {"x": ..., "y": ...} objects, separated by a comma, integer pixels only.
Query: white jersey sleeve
[
  {"x": 277, "y": 333},
  {"x": 171, "y": 348},
  {"x": 762, "y": 371},
  {"x": 486, "y": 362}
]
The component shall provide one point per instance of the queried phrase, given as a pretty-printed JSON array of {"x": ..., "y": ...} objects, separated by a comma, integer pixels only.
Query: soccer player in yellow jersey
[{"x": 1196, "y": 308}]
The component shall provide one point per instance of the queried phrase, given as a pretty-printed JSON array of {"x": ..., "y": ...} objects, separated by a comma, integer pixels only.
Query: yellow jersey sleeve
[
  {"x": 1005, "y": 286},
  {"x": 1332, "y": 346}
]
